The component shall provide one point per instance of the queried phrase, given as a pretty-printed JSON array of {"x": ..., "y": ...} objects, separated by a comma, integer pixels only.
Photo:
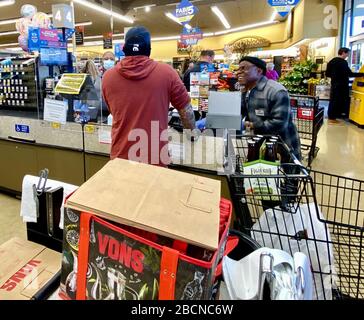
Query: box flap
[
  {"x": 25, "y": 268},
  {"x": 171, "y": 203}
]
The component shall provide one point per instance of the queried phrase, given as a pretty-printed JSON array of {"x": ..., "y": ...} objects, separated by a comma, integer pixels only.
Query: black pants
[{"x": 339, "y": 102}]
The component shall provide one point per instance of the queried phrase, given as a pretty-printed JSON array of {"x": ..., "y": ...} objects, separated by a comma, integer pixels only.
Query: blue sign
[
  {"x": 119, "y": 53},
  {"x": 185, "y": 11},
  {"x": 191, "y": 36},
  {"x": 22, "y": 128},
  {"x": 283, "y": 7},
  {"x": 33, "y": 39}
]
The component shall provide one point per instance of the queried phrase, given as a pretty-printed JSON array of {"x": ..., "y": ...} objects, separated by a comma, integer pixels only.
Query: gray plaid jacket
[{"x": 268, "y": 107}]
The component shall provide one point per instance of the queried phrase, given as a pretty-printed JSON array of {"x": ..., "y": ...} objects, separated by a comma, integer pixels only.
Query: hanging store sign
[
  {"x": 107, "y": 37},
  {"x": 191, "y": 36},
  {"x": 185, "y": 11},
  {"x": 45, "y": 38},
  {"x": 80, "y": 30},
  {"x": 63, "y": 16},
  {"x": 283, "y": 7}
]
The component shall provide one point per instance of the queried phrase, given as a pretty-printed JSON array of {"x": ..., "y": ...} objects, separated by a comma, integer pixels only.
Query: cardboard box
[
  {"x": 135, "y": 231},
  {"x": 170, "y": 203},
  {"x": 25, "y": 268}
]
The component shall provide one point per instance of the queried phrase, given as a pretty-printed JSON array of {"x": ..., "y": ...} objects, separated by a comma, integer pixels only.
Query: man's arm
[{"x": 187, "y": 117}]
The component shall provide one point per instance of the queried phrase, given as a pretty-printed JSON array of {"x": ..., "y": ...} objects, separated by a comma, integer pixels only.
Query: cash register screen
[{"x": 53, "y": 56}]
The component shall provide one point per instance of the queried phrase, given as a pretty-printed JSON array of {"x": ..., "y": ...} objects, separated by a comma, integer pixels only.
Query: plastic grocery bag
[{"x": 301, "y": 231}]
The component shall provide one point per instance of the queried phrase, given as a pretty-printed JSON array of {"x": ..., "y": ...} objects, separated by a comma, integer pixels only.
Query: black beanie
[
  {"x": 257, "y": 62},
  {"x": 137, "y": 42}
]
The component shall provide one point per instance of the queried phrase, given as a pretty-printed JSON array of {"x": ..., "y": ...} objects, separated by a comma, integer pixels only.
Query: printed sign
[
  {"x": 283, "y": 7},
  {"x": 191, "y": 36},
  {"x": 107, "y": 40},
  {"x": 63, "y": 16},
  {"x": 45, "y": 38},
  {"x": 55, "y": 111},
  {"x": 22, "y": 128},
  {"x": 70, "y": 83},
  {"x": 119, "y": 53},
  {"x": 185, "y": 11},
  {"x": 79, "y": 35}
]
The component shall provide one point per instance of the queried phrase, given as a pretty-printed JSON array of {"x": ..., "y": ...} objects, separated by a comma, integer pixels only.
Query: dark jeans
[{"x": 339, "y": 102}]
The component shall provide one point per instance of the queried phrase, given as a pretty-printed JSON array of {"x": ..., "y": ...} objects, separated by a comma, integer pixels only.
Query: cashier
[{"x": 266, "y": 104}]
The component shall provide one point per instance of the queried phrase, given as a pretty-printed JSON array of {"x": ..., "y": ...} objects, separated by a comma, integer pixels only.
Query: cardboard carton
[
  {"x": 25, "y": 268},
  {"x": 174, "y": 204}
]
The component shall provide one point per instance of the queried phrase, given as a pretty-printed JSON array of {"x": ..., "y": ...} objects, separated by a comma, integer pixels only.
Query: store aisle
[
  {"x": 11, "y": 224},
  {"x": 341, "y": 150}
]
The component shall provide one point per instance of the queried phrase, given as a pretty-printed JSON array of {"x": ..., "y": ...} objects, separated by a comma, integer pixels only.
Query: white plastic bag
[{"x": 288, "y": 231}]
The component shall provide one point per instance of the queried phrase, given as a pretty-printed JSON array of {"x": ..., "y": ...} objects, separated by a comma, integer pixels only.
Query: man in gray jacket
[{"x": 266, "y": 104}]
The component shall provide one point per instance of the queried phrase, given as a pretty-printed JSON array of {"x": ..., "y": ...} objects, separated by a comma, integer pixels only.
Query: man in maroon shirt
[{"x": 138, "y": 92}]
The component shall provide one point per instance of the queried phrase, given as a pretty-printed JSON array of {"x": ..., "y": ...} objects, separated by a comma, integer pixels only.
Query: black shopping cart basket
[
  {"x": 315, "y": 213},
  {"x": 309, "y": 118}
]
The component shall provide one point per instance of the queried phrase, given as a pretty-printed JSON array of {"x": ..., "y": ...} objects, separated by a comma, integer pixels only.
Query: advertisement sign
[
  {"x": 107, "y": 38},
  {"x": 283, "y": 7},
  {"x": 118, "y": 51},
  {"x": 45, "y": 38},
  {"x": 185, "y": 11},
  {"x": 80, "y": 30},
  {"x": 191, "y": 36}
]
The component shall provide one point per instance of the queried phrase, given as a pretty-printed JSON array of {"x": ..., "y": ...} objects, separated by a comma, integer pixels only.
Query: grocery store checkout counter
[
  {"x": 73, "y": 152},
  {"x": 357, "y": 102}
]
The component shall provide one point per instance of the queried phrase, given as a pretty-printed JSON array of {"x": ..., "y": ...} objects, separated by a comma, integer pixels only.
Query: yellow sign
[
  {"x": 56, "y": 125},
  {"x": 71, "y": 83},
  {"x": 89, "y": 129}
]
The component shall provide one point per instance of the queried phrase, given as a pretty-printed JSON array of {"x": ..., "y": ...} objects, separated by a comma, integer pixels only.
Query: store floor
[{"x": 341, "y": 153}]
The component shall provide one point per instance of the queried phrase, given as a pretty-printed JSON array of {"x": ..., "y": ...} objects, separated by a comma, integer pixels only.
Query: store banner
[
  {"x": 45, "y": 38},
  {"x": 283, "y": 7},
  {"x": 191, "y": 36},
  {"x": 185, "y": 11},
  {"x": 107, "y": 40},
  {"x": 80, "y": 30}
]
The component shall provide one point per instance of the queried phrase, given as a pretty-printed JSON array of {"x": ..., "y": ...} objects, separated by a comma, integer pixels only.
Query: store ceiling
[{"x": 237, "y": 12}]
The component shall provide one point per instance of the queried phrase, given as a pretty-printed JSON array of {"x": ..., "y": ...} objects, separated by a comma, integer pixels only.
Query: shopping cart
[
  {"x": 319, "y": 214},
  {"x": 309, "y": 118}
]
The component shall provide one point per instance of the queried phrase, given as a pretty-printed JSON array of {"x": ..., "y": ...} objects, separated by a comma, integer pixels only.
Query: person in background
[
  {"x": 339, "y": 72},
  {"x": 271, "y": 73},
  {"x": 108, "y": 61},
  {"x": 138, "y": 92},
  {"x": 94, "y": 105},
  {"x": 207, "y": 57},
  {"x": 266, "y": 104}
]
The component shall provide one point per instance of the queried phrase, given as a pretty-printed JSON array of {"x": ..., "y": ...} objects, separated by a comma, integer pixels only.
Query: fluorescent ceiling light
[
  {"x": 100, "y": 9},
  {"x": 221, "y": 16},
  {"x": 86, "y": 23},
  {"x": 10, "y": 21},
  {"x": 101, "y": 36},
  {"x": 273, "y": 17},
  {"x": 249, "y": 26},
  {"x": 360, "y": 6},
  {"x": 9, "y": 44},
  {"x": 7, "y": 3},
  {"x": 175, "y": 19},
  {"x": 172, "y": 17},
  {"x": 147, "y": 7},
  {"x": 7, "y": 33},
  {"x": 166, "y": 38}
]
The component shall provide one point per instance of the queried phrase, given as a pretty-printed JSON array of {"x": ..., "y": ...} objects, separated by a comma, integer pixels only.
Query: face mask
[{"x": 108, "y": 64}]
